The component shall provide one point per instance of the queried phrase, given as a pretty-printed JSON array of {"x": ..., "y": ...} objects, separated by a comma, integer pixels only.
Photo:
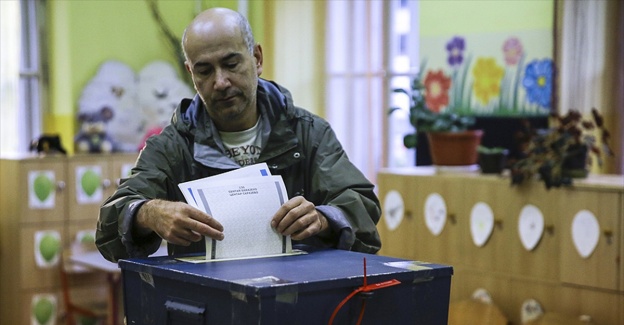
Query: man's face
[{"x": 225, "y": 76}]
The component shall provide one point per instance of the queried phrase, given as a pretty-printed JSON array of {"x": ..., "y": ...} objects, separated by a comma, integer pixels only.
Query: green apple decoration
[
  {"x": 43, "y": 310},
  {"x": 43, "y": 187},
  {"x": 90, "y": 182},
  {"x": 49, "y": 246}
]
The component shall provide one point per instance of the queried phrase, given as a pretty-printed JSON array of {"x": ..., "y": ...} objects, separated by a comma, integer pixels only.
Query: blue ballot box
[{"x": 299, "y": 289}]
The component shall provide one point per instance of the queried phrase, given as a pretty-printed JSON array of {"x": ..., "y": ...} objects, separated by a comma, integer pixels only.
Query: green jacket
[{"x": 297, "y": 145}]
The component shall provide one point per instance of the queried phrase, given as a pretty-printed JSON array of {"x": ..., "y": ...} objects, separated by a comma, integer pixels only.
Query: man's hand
[
  {"x": 177, "y": 222},
  {"x": 299, "y": 218}
]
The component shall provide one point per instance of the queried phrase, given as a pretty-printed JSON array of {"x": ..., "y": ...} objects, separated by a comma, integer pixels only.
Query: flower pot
[
  {"x": 493, "y": 163},
  {"x": 574, "y": 165},
  {"x": 454, "y": 148}
]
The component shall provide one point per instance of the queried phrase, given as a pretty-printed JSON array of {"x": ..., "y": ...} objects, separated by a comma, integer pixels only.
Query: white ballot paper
[
  {"x": 248, "y": 171},
  {"x": 243, "y": 201}
]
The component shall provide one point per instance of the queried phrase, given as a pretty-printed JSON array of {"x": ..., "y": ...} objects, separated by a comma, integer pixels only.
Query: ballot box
[{"x": 313, "y": 288}]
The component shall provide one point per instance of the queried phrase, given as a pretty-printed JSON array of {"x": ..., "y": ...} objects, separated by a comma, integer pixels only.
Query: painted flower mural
[
  {"x": 538, "y": 82},
  {"x": 487, "y": 79},
  {"x": 513, "y": 54},
  {"x": 485, "y": 83},
  {"x": 437, "y": 86},
  {"x": 436, "y": 90},
  {"x": 513, "y": 51},
  {"x": 455, "y": 48}
]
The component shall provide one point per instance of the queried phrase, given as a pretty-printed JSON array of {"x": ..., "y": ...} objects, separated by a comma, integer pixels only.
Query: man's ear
[
  {"x": 187, "y": 66},
  {"x": 258, "y": 56}
]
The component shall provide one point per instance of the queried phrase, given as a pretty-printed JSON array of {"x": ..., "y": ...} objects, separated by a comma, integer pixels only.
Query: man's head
[{"x": 225, "y": 63}]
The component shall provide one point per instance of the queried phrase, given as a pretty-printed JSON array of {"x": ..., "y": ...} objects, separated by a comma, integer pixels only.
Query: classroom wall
[
  {"x": 480, "y": 16},
  {"x": 84, "y": 34},
  {"x": 298, "y": 51}
]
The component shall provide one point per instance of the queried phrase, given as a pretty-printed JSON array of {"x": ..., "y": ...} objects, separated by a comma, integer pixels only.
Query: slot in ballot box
[{"x": 298, "y": 289}]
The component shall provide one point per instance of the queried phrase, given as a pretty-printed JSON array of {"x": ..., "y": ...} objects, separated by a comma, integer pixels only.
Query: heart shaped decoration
[
  {"x": 530, "y": 226},
  {"x": 393, "y": 209},
  {"x": 481, "y": 223},
  {"x": 585, "y": 233},
  {"x": 435, "y": 213}
]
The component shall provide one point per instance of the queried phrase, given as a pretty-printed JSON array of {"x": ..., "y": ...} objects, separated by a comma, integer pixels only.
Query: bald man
[{"x": 237, "y": 119}]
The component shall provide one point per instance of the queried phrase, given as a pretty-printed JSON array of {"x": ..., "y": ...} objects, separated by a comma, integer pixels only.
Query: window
[
  {"x": 355, "y": 79},
  {"x": 367, "y": 55},
  {"x": 21, "y": 76},
  {"x": 403, "y": 65}
]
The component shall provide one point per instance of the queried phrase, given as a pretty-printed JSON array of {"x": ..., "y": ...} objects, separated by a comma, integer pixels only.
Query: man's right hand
[{"x": 176, "y": 222}]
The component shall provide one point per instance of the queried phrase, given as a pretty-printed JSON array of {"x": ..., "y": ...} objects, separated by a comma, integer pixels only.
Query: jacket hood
[
  {"x": 191, "y": 113},
  {"x": 276, "y": 107}
]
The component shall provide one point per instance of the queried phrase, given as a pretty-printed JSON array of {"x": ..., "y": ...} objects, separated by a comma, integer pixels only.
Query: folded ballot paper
[{"x": 243, "y": 201}]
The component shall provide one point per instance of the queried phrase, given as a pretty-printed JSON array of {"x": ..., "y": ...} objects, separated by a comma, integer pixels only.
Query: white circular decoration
[
  {"x": 530, "y": 226},
  {"x": 393, "y": 209},
  {"x": 585, "y": 233},
  {"x": 435, "y": 213},
  {"x": 481, "y": 223}
]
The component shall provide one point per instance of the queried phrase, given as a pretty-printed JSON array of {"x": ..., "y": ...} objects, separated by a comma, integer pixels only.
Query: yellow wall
[
  {"x": 84, "y": 34},
  {"x": 481, "y": 16},
  {"x": 298, "y": 54}
]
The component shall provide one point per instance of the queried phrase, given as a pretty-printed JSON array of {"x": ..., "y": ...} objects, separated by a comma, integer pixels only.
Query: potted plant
[
  {"x": 451, "y": 143},
  {"x": 492, "y": 160},
  {"x": 564, "y": 151}
]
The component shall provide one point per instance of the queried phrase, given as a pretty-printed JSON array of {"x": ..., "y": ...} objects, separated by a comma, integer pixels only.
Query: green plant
[
  {"x": 549, "y": 152},
  {"x": 491, "y": 150},
  {"x": 425, "y": 120}
]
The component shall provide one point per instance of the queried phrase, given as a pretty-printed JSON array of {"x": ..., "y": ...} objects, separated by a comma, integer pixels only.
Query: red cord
[
  {"x": 362, "y": 312},
  {"x": 344, "y": 301},
  {"x": 364, "y": 288}
]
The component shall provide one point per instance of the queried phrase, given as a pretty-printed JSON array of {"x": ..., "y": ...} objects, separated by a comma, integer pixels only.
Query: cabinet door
[
  {"x": 39, "y": 307},
  {"x": 486, "y": 225},
  {"x": 120, "y": 164},
  {"x": 438, "y": 217},
  {"x": 597, "y": 214},
  {"x": 396, "y": 227},
  {"x": 533, "y": 208},
  {"x": 498, "y": 286},
  {"x": 602, "y": 306},
  {"x": 42, "y": 193},
  {"x": 621, "y": 234},
  {"x": 547, "y": 294},
  {"x": 89, "y": 185},
  {"x": 40, "y": 253},
  {"x": 80, "y": 236}
]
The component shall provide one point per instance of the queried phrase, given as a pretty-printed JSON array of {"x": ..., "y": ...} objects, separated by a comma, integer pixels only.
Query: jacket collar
[{"x": 276, "y": 107}]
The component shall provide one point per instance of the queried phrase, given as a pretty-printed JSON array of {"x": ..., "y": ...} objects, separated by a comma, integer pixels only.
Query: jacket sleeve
[
  {"x": 347, "y": 197},
  {"x": 151, "y": 178}
]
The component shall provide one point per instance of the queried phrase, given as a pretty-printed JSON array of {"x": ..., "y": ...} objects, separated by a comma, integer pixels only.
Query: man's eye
[
  {"x": 231, "y": 65},
  {"x": 203, "y": 72}
]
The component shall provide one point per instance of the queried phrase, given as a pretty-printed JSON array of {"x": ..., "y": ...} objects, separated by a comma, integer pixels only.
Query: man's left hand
[{"x": 299, "y": 218}]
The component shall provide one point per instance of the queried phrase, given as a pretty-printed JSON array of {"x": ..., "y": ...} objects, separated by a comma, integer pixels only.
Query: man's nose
[{"x": 222, "y": 80}]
